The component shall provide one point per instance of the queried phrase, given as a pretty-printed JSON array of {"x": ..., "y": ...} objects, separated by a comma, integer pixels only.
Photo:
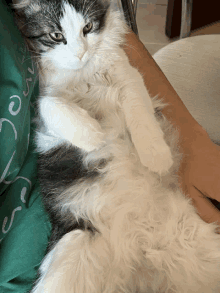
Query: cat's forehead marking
[{"x": 72, "y": 20}]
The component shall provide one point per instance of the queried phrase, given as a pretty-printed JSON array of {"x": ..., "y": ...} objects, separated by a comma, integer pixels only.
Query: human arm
[{"x": 200, "y": 167}]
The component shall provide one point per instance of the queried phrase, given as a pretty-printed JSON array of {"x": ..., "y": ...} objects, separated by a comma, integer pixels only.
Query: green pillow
[{"x": 24, "y": 225}]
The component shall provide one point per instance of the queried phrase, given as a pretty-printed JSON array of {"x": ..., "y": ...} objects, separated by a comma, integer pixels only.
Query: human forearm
[
  {"x": 158, "y": 85},
  {"x": 199, "y": 172}
]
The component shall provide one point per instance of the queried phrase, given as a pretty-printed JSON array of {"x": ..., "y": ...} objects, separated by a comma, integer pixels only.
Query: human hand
[{"x": 199, "y": 174}]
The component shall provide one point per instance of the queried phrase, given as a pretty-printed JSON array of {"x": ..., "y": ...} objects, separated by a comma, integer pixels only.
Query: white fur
[
  {"x": 76, "y": 50},
  {"x": 72, "y": 124},
  {"x": 149, "y": 237},
  {"x": 101, "y": 55}
]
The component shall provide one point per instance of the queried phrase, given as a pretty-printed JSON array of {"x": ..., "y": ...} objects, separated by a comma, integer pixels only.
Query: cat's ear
[
  {"x": 19, "y": 4},
  {"x": 28, "y": 5}
]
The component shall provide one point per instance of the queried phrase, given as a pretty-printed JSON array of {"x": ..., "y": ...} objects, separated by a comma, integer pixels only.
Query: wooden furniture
[
  {"x": 196, "y": 14},
  {"x": 192, "y": 66},
  {"x": 130, "y": 7}
]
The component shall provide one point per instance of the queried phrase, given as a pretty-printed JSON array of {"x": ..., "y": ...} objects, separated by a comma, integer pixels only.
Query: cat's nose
[{"x": 80, "y": 55}]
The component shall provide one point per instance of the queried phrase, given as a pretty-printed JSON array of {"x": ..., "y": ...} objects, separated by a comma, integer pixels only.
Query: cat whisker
[
  {"x": 95, "y": 13},
  {"x": 84, "y": 6},
  {"x": 91, "y": 5},
  {"x": 25, "y": 24},
  {"x": 132, "y": 47},
  {"x": 34, "y": 61},
  {"x": 35, "y": 53},
  {"x": 54, "y": 16}
]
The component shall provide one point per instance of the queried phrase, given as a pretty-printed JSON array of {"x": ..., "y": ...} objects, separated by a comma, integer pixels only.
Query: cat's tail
[{"x": 78, "y": 264}]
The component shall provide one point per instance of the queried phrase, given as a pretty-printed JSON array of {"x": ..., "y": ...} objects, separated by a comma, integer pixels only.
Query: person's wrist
[
  {"x": 192, "y": 137},
  {"x": 190, "y": 131}
]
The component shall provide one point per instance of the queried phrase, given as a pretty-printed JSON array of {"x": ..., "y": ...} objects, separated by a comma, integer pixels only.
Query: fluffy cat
[{"x": 120, "y": 223}]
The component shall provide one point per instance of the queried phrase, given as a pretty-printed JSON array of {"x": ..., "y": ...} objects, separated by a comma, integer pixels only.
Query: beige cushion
[{"x": 192, "y": 66}]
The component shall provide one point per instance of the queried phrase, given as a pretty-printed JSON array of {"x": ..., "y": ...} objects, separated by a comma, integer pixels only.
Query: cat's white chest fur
[{"x": 71, "y": 112}]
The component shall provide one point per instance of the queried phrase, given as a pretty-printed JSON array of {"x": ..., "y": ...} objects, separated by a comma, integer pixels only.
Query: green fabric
[{"x": 24, "y": 225}]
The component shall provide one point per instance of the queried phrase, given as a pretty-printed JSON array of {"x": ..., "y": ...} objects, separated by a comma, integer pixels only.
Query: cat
[{"x": 107, "y": 163}]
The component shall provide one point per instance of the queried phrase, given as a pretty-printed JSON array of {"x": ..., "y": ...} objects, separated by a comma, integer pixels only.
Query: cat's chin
[
  {"x": 68, "y": 68},
  {"x": 71, "y": 66}
]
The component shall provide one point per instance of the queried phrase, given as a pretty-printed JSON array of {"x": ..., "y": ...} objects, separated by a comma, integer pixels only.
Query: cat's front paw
[
  {"x": 92, "y": 141},
  {"x": 158, "y": 160},
  {"x": 89, "y": 138},
  {"x": 155, "y": 155}
]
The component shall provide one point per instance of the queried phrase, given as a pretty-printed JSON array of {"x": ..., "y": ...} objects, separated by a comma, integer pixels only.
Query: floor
[{"x": 151, "y": 19}]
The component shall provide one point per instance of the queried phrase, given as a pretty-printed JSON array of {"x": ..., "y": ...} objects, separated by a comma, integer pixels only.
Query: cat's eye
[
  {"x": 87, "y": 28},
  {"x": 57, "y": 37}
]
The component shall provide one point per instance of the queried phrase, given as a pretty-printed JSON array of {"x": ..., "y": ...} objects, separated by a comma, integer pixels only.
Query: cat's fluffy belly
[{"x": 147, "y": 237}]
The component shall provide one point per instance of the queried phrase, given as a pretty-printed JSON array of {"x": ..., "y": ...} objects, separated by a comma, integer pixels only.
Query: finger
[
  {"x": 204, "y": 207},
  {"x": 207, "y": 176},
  {"x": 210, "y": 188}
]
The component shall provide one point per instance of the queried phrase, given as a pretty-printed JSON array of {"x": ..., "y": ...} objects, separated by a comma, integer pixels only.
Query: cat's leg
[
  {"x": 147, "y": 136},
  {"x": 70, "y": 123},
  {"x": 77, "y": 264},
  {"x": 145, "y": 130}
]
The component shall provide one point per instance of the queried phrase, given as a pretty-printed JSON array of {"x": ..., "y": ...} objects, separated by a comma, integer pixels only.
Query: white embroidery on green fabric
[
  {"x": 23, "y": 193},
  {"x": 4, "y": 119},
  {"x": 19, "y": 208},
  {"x": 23, "y": 50},
  {"x": 11, "y": 105},
  {"x": 2, "y": 179},
  {"x": 6, "y": 168},
  {"x": 31, "y": 70},
  {"x": 24, "y": 189},
  {"x": 26, "y": 93},
  {"x": 12, "y": 218}
]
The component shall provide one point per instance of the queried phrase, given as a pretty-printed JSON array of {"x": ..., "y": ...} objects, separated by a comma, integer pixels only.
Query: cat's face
[{"x": 66, "y": 32}]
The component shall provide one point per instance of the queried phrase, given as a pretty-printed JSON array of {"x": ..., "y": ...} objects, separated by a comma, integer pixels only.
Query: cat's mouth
[{"x": 75, "y": 65}]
